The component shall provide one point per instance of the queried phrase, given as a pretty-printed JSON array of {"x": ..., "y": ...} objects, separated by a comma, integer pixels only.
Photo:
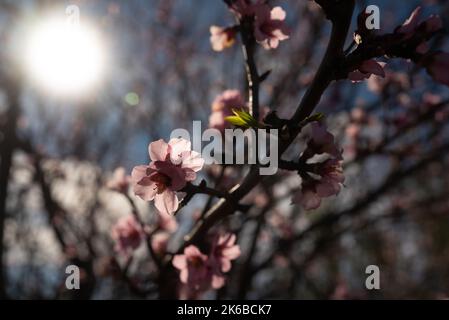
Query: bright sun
[{"x": 64, "y": 59}]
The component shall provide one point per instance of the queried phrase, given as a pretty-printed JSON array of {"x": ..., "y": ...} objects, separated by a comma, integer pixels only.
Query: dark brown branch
[
  {"x": 252, "y": 74},
  {"x": 6, "y": 152}
]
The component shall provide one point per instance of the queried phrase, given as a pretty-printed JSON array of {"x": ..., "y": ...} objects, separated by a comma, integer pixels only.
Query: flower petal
[
  {"x": 166, "y": 202},
  {"x": 158, "y": 150}
]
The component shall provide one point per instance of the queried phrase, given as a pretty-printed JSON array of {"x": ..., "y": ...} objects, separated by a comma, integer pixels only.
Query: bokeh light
[{"x": 64, "y": 59}]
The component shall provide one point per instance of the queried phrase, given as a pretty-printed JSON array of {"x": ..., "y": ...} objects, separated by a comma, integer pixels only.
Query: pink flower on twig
[
  {"x": 332, "y": 178},
  {"x": 194, "y": 269},
  {"x": 320, "y": 141},
  {"x": 270, "y": 27},
  {"x": 224, "y": 250},
  {"x": 366, "y": 69},
  {"x": 411, "y": 25},
  {"x": 127, "y": 234},
  {"x": 173, "y": 165},
  {"x": 200, "y": 272},
  {"x": 307, "y": 198},
  {"x": 222, "y": 107},
  {"x": 222, "y": 38},
  {"x": 167, "y": 223},
  {"x": 313, "y": 190},
  {"x": 159, "y": 242},
  {"x": 319, "y": 179}
]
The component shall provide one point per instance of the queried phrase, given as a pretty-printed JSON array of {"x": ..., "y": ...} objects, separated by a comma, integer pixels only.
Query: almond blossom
[
  {"x": 320, "y": 141},
  {"x": 120, "y": 181},
  {"x": 173, "y": 165},
  {"x": 366, "y": 69},
  {"x": 222, "y": 107},
  {"x": 194, "y": 268},
  {"x": 332, "y": 178},
  {"x": 222, "y": 38},
  {"x": 269, "y": 26},
  {"x": 127, "y": 234},
  {"x": 159, "y": 242},
  {"x": 308, "y": 198},
  {"x": 167, "y": 223},
  {"x": 319, "y": 179},
  {"x": 312, "y": 191},
  {"x": 201, "y": 272},
  {"x": 224, "y": 250},
  {"x": 411, "y": 26}
]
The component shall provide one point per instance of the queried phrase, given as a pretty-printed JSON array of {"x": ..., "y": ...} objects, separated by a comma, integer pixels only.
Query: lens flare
[{"x": 64, "y": 58}]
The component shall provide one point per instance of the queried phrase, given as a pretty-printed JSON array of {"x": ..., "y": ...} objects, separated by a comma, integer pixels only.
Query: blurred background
[{"x": 142, "y": 68}]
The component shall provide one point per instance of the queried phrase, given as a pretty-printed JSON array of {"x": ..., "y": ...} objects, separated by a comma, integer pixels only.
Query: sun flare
[{"x": 63, "y": 58}]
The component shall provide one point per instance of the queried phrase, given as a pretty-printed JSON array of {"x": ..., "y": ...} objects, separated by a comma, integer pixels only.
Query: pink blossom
[
  {"x": 173, "y": 165},
  {"x": 307, "y": 198},
  {"x": 200, "y": 272},
  {"x": 159, "y": 242},
  {"x": 222, "y": 38},
  {"x": 410, "y": 26},
  {"x": 229, "y": 99},
  {"x": 312, "y": 191},
  {"x": 366, "y": 69},
  {"x": 120, "y": 181},
  {"x": 222, "y": 107},
  {"x": 127, "y": 234},
  {"x": 320, "y": 141},
  {"x": 217, "y": 120},
  {"x": 438, "y": 66},
  {"x": 194, "y": 268},
  {"x": 224, "y": 250},
  {"x": 269, "y": 26},
  {"x": 167, "y": 223},
  {"x": 331, "y": 178},
  {"x": 329, "y": 171}
]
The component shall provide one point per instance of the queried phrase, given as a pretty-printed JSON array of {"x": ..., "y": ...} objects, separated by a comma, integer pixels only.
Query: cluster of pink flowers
[
  {"x": 200, "y": 272},
  {"x": 412, "y": 25},
  {"x": 268, "y": 25},
  {"x": 127, "y": 234},
  {"x": 173, "y": 165},
  {"x": 330, "y": 171},
  {"x": 222, "y": 107},
  {"x": 436, "y": 63}
]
